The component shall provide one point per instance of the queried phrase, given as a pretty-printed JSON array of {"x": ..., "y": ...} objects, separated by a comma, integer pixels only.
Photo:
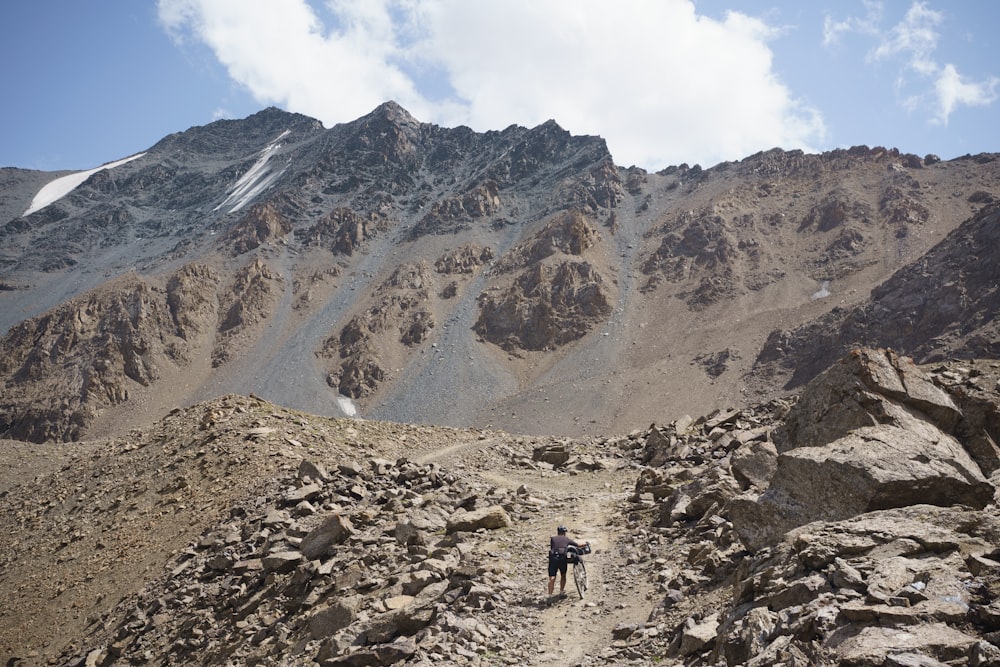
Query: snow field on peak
[{"x": 55, "y": 190}]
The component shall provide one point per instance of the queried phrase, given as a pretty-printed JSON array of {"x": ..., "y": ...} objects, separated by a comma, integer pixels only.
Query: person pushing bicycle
[{"x": 559, "y": 559}]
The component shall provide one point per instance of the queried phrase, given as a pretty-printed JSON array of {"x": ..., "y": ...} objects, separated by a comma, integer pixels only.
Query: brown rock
[
  {"x": 319, "y": 542},
  {"x": 490, "y": 518},
  {"x": 327, "y": 621}
]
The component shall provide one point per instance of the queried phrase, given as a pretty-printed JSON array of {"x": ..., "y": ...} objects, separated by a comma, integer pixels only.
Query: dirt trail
[{"x": 565, "y": 631}]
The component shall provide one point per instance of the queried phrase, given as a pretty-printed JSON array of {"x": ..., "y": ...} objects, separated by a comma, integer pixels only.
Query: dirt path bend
[{"x": 565, "y": 631}]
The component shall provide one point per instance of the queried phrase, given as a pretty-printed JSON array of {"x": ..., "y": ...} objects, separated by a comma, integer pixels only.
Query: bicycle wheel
[{"x": 580, "y": 576}]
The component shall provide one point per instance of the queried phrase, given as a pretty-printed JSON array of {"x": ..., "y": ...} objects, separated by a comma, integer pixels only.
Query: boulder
[
  {"x": 337, "y": 616},
  {"x": 306, "y": 492},
  {"x": 655, "y": 482},
  {"x": 870, "y": 433},
  {"x": 408, "y": 533},
  {"x": 312, "y": 471},
  {"x": 662, "y": 447},
  {"x": 404, "y": 621},
  {"x": 490, "y": 518},
  {"x": 555, "y": 454},
  {"x": 697, "y": 635},
  {"x": 876, "y": 467},
  {"x": 319, "y": 542},
  {"x": 282, "y": 562},
  {"x": 874, "y": 645},
  {"x": 753, "y": 464},
  {"x": 867, "y": 387}
]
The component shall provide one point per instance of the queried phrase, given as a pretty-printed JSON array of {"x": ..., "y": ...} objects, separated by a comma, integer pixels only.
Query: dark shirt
[{"x": 558, "y": 544}]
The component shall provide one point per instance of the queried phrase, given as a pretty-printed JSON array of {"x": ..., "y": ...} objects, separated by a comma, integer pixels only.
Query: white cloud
[
  {"x": 868, "y": 25},
  {"x": 914, "y": 38},
  {"x": 913, "y": 43},
  {"x": 952, "y": 91},
  {"x": 661, "y": 83}
]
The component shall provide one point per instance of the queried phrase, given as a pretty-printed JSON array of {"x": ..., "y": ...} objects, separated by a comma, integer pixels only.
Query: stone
[
  {"x": 396, "y": 651},
  {"x": 873, "y": 645},
  {"x": 306, "y": 492},
  {"x": 696, "y": 636},
  {"x": 312, "y": 471},
  {"x": 398, "y": 601},
  {"x": 407, "y": 533},
  {"x": 555, "y": 454},
  {"x": 912, "y": 660},
  {"x": 872, "y": 468},
  {"x": 844, "y": 575},
  {"x": 319, "y": 542},
  {"x": 800, "y": 592},
  {"x": 865, "y": 388},
  {"x": 490, "y": 518},
  {"x": 281, "y": 562},
  {"x": 654, "y": 482},
  {"x": 984, "y": 654},
  {"x": 623, "y": 630},
  {"x": 338, "y": 615},
  {"x": 350, "y": 468},
  {"x": 754, "y": 463}
]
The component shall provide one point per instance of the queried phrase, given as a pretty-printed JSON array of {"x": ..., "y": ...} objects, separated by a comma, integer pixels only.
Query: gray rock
[
  {"x": 867, "y": 387},
  {"x": 313, "y": 471},
  {"x": 281, "y": 562},
  {"x": 754, "y": 463},
  {"x": 307, "y": 492},
  {"x": 874, "y": 645},
  {"x": 396, "y": 651},
  {"x": 407, "y": 533},
  {"x": 800, "y": 592},
  {"x": 623, "y": 630},
  {"x": 321, "y": 540},
  {"x": 327, "y": 621},
  {"x": 697, "y": 635},
  {"x": 555, "y": 454}
]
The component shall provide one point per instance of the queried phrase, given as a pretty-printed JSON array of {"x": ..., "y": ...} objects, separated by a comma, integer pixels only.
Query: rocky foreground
[{"x": 854, "y": 524}]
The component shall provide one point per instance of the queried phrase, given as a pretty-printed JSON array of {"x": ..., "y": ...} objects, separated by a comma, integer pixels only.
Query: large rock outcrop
[
  {"x": 871, "y": 433},
  {"x": 908, "y": 574}
]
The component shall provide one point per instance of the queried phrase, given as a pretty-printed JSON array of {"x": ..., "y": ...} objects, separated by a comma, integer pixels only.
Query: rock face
[{"x": 932, "y": 309}]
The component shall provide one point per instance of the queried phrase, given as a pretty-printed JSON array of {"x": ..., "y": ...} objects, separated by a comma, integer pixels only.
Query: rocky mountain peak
[
  {"x": 236, "y": 136},
  {"x": 392, "y": 112},
  {"x": 551, "y": 265}
]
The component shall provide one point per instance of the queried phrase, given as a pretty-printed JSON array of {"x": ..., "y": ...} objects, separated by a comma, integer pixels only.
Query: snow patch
[
  {"x": 257, "y": 179},
  {"x": 822, "y": 292},
  {"x": 347, "y": 406},
  {"x": 55, "y": 190}
]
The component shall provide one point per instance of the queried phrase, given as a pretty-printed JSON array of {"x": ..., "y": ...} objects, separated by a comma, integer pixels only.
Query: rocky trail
[{"x": 568, "y": 630}]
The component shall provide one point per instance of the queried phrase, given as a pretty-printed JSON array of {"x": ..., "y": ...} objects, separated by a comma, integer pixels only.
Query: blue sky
[{"x": 663, "y": 81}]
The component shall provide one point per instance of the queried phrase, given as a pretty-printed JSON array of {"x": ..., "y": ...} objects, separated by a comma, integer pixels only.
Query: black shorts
[{"x": 557, "y": 564}]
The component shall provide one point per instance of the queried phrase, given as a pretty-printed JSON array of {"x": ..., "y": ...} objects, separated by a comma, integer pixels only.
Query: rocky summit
[{"x": 280, "y": 394}]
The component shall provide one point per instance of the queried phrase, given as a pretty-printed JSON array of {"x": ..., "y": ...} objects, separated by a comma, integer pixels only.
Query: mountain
[{"x": 375, "y": 267}]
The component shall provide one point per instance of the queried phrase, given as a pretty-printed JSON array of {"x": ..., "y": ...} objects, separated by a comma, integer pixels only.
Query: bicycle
[{"x": 575, "y": 556}]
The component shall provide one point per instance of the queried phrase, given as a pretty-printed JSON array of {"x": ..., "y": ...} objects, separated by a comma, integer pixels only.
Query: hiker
[{"x": 558, "y": 560}]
